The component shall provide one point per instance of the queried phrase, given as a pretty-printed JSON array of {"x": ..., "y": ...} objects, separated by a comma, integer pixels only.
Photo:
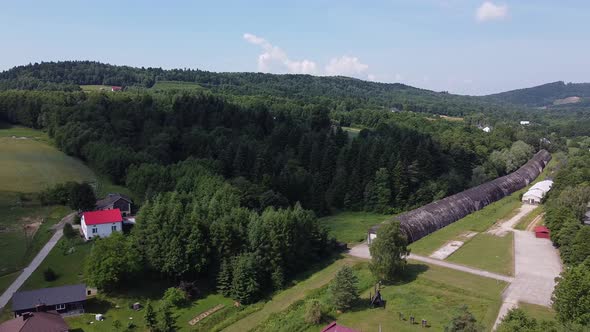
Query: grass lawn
[
  {"x": 478, "y": 221},
  {"x": 498, "y": 253},
  {"x": 28, "y": 163},
  {"x": 16, "y": 248},
  {"x": 6, "y": 280},
  {"x": 526, "y": 220},
  {"x": 352, "y": 227},
  {"x": 429, "y": 292},
  {"x": 538, "y": 312},
  {"x": 68, "y": 267},
  {"x": 352, "y": 132}
]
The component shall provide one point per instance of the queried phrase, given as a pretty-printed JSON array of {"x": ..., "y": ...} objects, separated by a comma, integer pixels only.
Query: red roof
[
  {"x": 541, "y": 229},
  {"x": 333, "y": 327},
  {"x": 116, "y": 88},
  {"x": 102, "y": 217}
]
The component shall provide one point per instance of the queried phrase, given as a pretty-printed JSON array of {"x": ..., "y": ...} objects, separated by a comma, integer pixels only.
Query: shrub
[
  {"x": 49, "y": 274},
  {"x": 313, "y": 312},
  {"x": 69, "y": 231},
  {"x": 175, "y": 297}
]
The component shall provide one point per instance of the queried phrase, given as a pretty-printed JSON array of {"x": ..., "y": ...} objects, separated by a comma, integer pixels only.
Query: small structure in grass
[{"x": 205, "y": 314}]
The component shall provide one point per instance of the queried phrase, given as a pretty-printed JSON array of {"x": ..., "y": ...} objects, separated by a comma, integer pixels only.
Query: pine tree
[
  {"x": 150, "y": 317},
  {"x": 167, "y": 321},
  {"x": 224, "y": 278},
  {"x": 382, "y": 191},
  {"x": 344, "y": 288},
  {"x": 245, "y": 286}
]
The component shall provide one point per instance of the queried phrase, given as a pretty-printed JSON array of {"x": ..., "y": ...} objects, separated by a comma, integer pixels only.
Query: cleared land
[
  {"x": 487, "y": 252},
  {"x": 94, "y": 88},
  {"x": 28, "y": 163},
  {"x": 525, "y": 222},
  {"x": 352, "y": 132},
  {"x": 428, "y": 292},
  {"x": 352, "y": 227}
]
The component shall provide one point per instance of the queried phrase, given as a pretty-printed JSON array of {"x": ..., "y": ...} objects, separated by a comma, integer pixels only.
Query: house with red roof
[
  {"x": 116, "y": 88},
  {"x": 333, "y": 327},
  {"x": 101, "y": 223}
]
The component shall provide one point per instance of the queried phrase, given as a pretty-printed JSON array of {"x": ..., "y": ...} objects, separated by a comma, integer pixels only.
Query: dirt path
[
  {"x": 502, "y": 228},
  {"x": 7, "y": 295},
  {"x": 289, "y": 296},
  {"x": 362, "y": 251}
]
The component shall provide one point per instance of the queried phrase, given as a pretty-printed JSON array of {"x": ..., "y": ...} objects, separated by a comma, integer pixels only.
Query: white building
[
  {"x": 525, "y": 123},
  {"x": 487, "y": 129},
  {"x": 101, "y": 223},
  {"x": 537, "y": 192}
]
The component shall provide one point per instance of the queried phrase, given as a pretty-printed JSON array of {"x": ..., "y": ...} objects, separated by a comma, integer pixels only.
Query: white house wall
[{"x": 102, "y": 230}]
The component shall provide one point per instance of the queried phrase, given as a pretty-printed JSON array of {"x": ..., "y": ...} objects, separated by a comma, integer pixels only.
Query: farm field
[
  {"x": 352, "y": 227},
  {"x": 487, "y": 252},
  {"x": 28, "y": 163},
  {"x": 428, "y": 292}
]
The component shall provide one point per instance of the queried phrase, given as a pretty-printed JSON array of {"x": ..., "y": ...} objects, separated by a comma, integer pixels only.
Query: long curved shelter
[{"x": 431, "y": 217}]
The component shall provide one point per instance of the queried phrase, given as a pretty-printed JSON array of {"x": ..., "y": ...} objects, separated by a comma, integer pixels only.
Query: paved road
[
  {"x": 4, "y": 298},
  {"x": 362, "y": 251}
]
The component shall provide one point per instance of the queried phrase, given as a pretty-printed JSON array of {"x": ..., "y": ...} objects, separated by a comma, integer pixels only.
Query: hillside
[
  {"x": 556, "y": 93},
  {"x": 344, "y": 92}
]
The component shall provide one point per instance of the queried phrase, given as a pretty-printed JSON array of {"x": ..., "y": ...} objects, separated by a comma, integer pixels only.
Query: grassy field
[
  {"x": 352, "y": 227},
  {"x": 94, "y": 88},
  {"x": 429, "y": 292},
  {"x": 478, "y": 221},
  {"x": 497, "y": 251},
  {"x": 524, "y": 222},
  {"x": 538, "y": 312},
  {"x": 28, "y": 163},
  {"x": 176, "y": 85},
  {"x": 68, "y": 267},
  {"x": 352, "y": 132}
]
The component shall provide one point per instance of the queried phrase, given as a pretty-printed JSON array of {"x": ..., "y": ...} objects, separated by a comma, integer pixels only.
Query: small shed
[
  {"x": 542, "y": 232},
  {"x": 537, "y": 192}
]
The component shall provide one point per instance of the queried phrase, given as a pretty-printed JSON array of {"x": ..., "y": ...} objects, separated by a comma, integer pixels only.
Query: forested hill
[
  {"x": 545, "y": 95},
  {"x": 347, "y": 93}
]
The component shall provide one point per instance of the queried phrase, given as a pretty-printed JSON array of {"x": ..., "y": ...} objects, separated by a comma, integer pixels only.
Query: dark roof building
[
  {"x": 49, "y": 321},
  {"x": 62, "y": 299},
  {"x": 115, "y": 201},
  {"x": 431, "y": 217}
]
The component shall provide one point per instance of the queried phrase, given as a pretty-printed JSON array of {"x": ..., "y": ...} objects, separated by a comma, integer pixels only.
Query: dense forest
[
  {"x": 543, "y": 95},
  {"x": 243, "y": 168}
]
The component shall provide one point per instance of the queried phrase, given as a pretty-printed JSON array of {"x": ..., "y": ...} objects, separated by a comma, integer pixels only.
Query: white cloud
[
  {"x": 346, "y": 66},
  {"x": 274, "y": 58},
  {"x": 489, "y": 11}
]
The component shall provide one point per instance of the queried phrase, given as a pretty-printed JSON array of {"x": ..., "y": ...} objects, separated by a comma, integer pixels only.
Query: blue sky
[{"x": 461, "y": 46}]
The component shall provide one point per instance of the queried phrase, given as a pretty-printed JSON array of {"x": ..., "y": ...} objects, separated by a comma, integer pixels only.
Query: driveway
[{"x": 7, "y": 295}]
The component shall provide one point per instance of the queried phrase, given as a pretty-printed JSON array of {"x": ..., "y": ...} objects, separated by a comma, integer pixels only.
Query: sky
[{"x": 462, "y": 46}]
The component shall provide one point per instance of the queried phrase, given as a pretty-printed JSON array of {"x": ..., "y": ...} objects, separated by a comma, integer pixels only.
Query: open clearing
[
  {"x": 487, "y": 252},
  {"x": 427, "y": 292},
  {"x": 352, "y": 227},
  {"x": 28, "y": 163},
  {"x": 176, "y": 85}
]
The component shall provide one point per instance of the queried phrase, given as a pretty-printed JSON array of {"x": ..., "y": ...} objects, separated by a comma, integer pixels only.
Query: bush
[
  {"x": 77, "y": 220},
  {"x": 69, "y": 231},
  {"x": 190, "y": 289},
  {"x": 49, "y": 274},
  {"x": 175, "y": 297},
  {"x": 313, "y": 312}
]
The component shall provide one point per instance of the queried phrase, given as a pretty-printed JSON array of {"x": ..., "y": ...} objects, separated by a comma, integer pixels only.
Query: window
[
  {"x": 60, "y": 307},
  {"x": 114, "y": 228},
  {"x": 94, "y": 230}
]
